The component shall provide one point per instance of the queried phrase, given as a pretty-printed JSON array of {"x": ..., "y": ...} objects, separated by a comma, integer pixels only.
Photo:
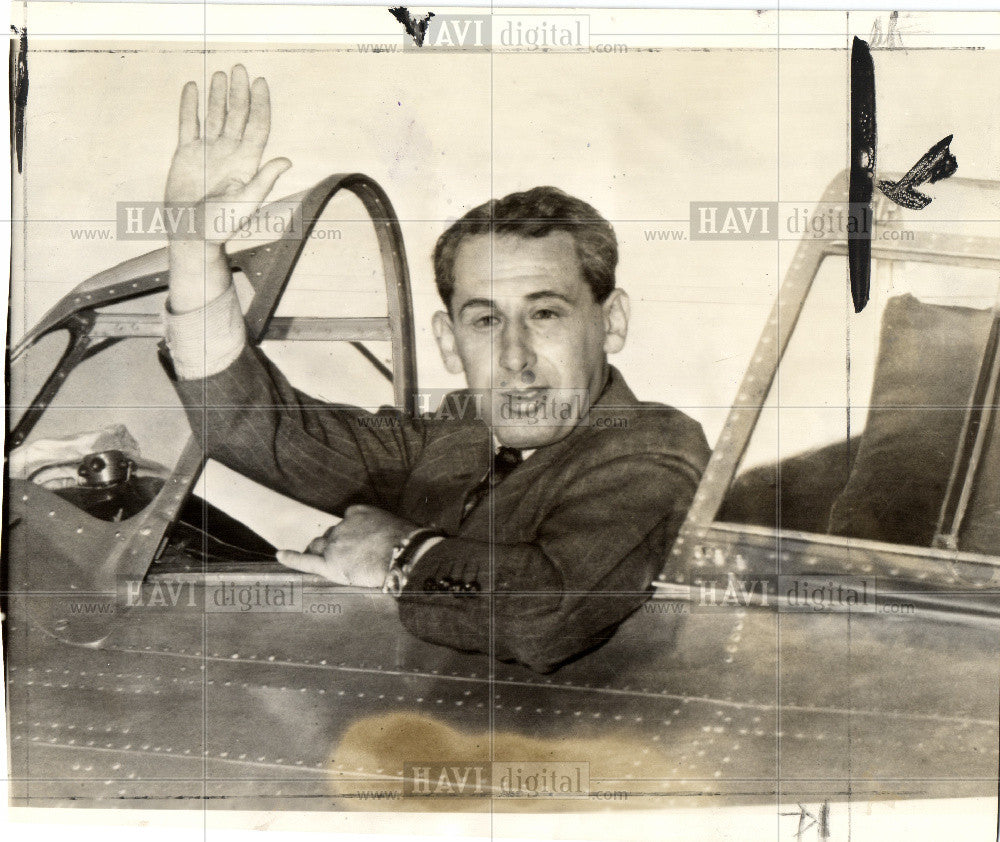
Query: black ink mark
[
  {"x": 18, "y": 91},
  {"x": 937, "y": 163},
  {"x": 415, "y": 28},
  {"x": 862, "y": 179}
]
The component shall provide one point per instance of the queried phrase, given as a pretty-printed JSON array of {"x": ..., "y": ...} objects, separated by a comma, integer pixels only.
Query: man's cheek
[{"x": 472, "y": 343}]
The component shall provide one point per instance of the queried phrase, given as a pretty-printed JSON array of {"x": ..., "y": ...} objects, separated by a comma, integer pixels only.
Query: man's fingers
[
  {"x": 239, "y": 103},
  {"x": 189, "y": 128},
  {"x": 261, "y": 184},
  {"x": 316, "y": 546},
  {"x": 303, "y": 562},
  {"x": 259, "y": 122},
  {"x": 215, "y": 113},
  {"x": 359, "y": 509}
]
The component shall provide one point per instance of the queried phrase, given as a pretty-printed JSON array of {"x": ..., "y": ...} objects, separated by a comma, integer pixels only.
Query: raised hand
[
  {"x": 223, "y": 164},
  {"x": 215, "y": 172}
]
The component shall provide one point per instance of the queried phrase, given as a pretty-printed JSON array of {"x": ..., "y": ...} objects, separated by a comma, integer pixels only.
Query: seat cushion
[
  {"x": 810, "y": 482},
  {"x": 928, "y": 360}
]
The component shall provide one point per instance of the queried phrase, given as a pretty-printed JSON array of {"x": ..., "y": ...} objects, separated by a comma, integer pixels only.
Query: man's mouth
[{"x": 521, "y": 401}]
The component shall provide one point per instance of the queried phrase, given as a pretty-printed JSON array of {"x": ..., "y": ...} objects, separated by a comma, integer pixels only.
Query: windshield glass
[{"x": 859, "y": 432}]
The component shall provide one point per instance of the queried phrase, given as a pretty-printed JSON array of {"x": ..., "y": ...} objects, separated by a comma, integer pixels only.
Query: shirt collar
[{"x": 524, "y": 453}]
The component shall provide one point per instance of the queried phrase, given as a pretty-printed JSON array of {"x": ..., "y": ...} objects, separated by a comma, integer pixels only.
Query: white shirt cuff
[{"x": 206, "y": 341}]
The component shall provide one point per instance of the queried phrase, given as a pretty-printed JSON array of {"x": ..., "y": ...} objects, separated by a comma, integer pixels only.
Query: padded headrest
[{"x": 928, "y": 361}]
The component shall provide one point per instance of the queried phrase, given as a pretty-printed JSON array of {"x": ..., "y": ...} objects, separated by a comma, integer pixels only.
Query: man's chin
[{"x": 527, "y": 438}]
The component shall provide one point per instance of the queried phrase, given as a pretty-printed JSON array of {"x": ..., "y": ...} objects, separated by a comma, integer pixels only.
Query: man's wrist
[
  {"x": 199, "y": 274},
  {"x": 405, "y": 555}
]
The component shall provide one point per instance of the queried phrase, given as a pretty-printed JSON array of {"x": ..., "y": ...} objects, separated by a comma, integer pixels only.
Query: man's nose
[{"x": 516, "y": 353}]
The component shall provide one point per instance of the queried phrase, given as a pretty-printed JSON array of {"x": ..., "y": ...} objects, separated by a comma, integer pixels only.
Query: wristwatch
[{"x": 402, "y": 560}]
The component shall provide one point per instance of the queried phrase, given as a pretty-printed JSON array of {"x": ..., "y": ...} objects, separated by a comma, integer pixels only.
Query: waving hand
[{"x": 218, "y": 168}]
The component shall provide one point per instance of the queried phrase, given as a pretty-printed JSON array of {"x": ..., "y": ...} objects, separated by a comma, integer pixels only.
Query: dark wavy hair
[{"x": 535, "y": 213}]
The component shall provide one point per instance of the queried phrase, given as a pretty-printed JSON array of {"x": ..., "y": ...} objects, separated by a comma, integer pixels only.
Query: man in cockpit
[{"x": 527, "y": 524}]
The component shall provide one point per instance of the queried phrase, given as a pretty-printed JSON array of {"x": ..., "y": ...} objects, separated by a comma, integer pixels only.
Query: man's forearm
[{"x": 533, "y": 617}]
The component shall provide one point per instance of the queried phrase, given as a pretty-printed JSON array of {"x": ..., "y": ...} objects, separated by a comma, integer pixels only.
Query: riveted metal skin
[{"x": 185, "y": 707}]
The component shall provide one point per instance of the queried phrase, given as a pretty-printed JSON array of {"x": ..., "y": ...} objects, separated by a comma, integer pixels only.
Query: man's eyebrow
[
  {"x": 548, "y": 293},
  {"x": 531, "y": 296},
  {"x": 476, "y": 302}
]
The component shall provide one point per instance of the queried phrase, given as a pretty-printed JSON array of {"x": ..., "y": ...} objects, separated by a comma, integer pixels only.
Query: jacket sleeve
[
  {"x": 592, "y": 564},
  {"x": 329, "y": 456}
]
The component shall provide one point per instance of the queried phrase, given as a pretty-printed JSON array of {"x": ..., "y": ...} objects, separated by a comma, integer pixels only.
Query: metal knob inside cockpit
[{"x": 105, "y": 469}]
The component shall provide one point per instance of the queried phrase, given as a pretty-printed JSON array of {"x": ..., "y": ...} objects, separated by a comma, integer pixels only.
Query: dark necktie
[{"x": 504, "y": 461}]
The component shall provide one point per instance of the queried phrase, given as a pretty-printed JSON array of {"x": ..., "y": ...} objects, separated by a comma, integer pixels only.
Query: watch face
[{"x": 393, "y": 583}]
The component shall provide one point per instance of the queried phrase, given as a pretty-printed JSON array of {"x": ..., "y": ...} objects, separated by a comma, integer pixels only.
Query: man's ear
[
  {"x": 444, "y": 333},
  {"x": 616, "y": 313}
]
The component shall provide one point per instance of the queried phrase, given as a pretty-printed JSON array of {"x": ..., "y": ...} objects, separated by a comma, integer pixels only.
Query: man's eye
[
  {"x": 546, "y": 313},
  {"x": 485, "y": 321}
]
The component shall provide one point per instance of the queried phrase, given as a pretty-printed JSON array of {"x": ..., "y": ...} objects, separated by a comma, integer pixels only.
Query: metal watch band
[{"x": 402, "y": 559}]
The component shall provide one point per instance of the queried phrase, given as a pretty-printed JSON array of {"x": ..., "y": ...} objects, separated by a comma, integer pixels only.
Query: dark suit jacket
[{"x": 553, "y": 560}]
